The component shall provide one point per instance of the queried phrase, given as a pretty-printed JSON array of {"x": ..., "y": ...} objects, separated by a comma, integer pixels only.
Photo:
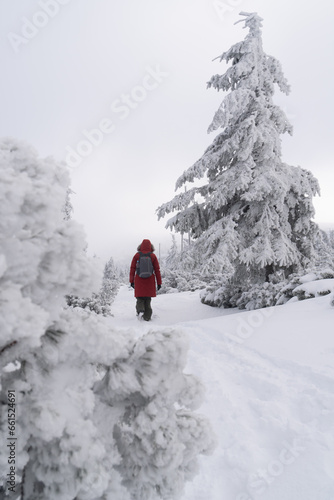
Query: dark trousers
[{"x": 143, "y": 305}]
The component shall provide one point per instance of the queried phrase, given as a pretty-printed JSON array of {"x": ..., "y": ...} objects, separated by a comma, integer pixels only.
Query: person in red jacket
[{"x": 145, "y": 288}]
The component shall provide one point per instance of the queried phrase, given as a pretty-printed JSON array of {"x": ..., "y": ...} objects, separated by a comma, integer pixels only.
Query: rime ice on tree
[{"x": 252, "y": 217}]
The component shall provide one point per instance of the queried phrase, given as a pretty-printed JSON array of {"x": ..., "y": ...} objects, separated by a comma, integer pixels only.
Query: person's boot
[
  {"x": 148, "y": 310},
  {"x": 140, "y": 307}
]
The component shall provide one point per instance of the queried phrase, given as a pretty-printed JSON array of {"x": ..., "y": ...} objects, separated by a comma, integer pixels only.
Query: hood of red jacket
[{"x": 145, "y": 246}]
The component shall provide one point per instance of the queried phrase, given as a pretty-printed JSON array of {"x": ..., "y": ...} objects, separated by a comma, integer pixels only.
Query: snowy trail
[
  {"x": 167, "y": 309},
  {"x": 274, "y": 422},
  {"x": 273, "y": 414}
]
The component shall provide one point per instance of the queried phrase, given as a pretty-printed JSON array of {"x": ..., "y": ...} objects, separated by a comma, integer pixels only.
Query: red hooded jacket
[{"x": 145, "y": 287}]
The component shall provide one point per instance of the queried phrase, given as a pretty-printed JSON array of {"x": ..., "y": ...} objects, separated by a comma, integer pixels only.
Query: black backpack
[{"x": 144, "y": 266}]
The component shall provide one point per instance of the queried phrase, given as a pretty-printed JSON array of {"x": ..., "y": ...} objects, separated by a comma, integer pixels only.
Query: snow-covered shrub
[
  {"x": 62, "y": 453},
  {"x": 256, "y": 297},
  {"x": 314, "y": 289},
  {"x": 92, "y": 303},
  {"x": 313, "y": 284},
  {"x": 192, "y": 283},
  {"x": 82, "y": 388},
  {"x": 157, "y": 435},
  {"x": 135, "y": 426},
  {"x": 169, "y": 281},
  {"x": 296, "y": 285},
  {"x": 176, "y": 280},
  {"x": 259, "y": 296},
  {"x": 325, "y": 274},
  {"x": 215, "y": 294}
]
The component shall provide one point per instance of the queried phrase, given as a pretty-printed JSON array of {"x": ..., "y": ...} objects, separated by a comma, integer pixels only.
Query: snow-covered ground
[{"x": 269, "y": 378}]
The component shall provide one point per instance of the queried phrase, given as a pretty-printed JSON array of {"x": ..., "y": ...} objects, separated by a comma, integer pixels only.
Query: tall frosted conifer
[{"x": 252, "y": 216}]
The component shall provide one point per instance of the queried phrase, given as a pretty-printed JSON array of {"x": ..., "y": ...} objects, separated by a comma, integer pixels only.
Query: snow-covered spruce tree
[
  {"x": 169, "y": 268},
  {"x": 173, "y": 257},
  {"x": 100, "y": 303},
  {"x": 91, "y": 303},
  {"x": 80, "y": 387},
  {"x": 252, "y": 218},
  {"x": 110, "y": 284},
  {"x": 324, "y": 249}
]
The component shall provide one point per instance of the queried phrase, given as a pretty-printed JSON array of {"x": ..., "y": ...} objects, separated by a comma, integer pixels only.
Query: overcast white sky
[{"x": 138, "y": 71}]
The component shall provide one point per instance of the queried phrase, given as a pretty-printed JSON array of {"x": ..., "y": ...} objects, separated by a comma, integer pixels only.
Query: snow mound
[{"x": 311, "y": 289}]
